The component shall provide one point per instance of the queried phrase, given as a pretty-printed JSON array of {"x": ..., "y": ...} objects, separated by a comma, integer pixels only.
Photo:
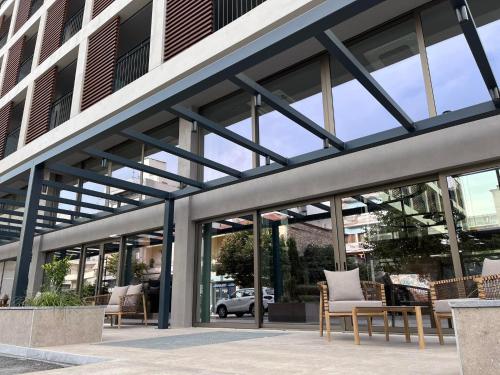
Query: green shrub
[{"x": 54, "y": 299}]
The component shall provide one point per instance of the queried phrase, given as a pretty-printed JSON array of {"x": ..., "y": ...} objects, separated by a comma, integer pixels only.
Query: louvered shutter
[
  {"x": 4, "y": 25},
  {"x": 5, "y": 114},
  {"x": 56, "y": 16},
  {"x": 13, "y": 65},
  {"x": 101, "y": 62},
  {"x": 23, "y": 13},
  {"x": 188, "y": 21},
  {"x": 43, "y": 96},
  {"x": 99, "y": 6}
]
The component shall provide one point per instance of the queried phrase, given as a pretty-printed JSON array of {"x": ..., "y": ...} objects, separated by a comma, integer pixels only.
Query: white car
[{"x": 242, "y": 302}]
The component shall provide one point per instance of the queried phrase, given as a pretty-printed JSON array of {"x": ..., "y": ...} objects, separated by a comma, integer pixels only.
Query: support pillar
[
  {"x": 206, "y": 273},
  {"x": 25, "y": 251},
  {"x": 278, "y": 275},
  {"x": 166, "y": 265}
]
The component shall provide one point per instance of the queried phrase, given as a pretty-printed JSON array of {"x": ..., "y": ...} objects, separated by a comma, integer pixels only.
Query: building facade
[{"x": 293, "y": 137}]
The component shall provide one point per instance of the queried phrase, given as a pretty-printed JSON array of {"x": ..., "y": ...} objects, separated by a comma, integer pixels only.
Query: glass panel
[
  {"x": 398, "y": 237},
  {"x": 110, "y": 266},
  {"x": 476, "y": 207},
  {"x": 301, "y": 88},
  {"x": 71, "y": 280},
  {"x": 7, "y": 271},
  {"x": 392, "y": 57},
  {"x": 90, "y": 275},
  {"x": 296, "y": 247},
  {"x": 235, "y": 114},
  {"x": 227, "y": 272},
  {"x": 456, "y": 80}
]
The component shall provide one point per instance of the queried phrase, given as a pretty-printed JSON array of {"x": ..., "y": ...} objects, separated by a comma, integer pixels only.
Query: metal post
[
  {"x": 206, "y": 272},
  {"x": 81, "y": 271},
  {"x": 25, "y": 251},
  {"x": 100, "y": 270},
  {"x": 257, "y": 270},
  {"x": 166, "y": 265},
  {"x": 278, "y": 276},
  {"x": 122, "y": 256}
]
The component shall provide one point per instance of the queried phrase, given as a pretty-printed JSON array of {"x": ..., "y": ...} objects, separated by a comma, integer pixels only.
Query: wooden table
[{"x": 385, "y": 310}]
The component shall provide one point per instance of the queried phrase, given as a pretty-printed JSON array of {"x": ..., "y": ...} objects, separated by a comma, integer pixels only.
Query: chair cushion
[
  {"x": 132, "y": 290},
  {"x": 344, "y": 285},
  {"x": 443, "y": 306},
  {"x": 112, "y": 309},
  {"x": 347, "y": 306},
  {"x": 118, "y": 292},
  {"x": 491, "y": 267}
]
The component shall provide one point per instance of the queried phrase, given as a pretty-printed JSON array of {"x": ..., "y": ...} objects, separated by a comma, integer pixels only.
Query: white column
[
  {"x": 26, "y": 114},
  {"x": 157, "y": 40},
  {"x": 13, "y": 19},
  {"x": 39, "y": 38}
]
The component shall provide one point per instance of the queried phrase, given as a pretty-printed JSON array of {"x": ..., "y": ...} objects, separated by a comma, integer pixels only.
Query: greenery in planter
[{"x": 52, "y": 294}]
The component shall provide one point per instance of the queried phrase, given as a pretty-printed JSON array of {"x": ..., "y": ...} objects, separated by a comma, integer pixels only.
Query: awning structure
[{"x": 30, "y": 213}]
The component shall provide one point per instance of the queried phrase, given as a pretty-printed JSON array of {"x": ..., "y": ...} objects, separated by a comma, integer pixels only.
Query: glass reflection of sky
[{"x": 477, "y": 193}]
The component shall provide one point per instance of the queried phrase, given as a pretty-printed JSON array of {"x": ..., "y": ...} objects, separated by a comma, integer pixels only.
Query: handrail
[
  {"x": 60, "y": 110},
  {"x": 11, "y": 141},
  {"x": 226, "y": 11},
  {"x": 72, "y": 26},
  {"x": 132, "y": 65},
  {"x": 25, "y": 68}
]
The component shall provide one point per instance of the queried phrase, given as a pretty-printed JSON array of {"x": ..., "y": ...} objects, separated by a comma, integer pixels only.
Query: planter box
[
  {"x": 48, "y": 326},
  {"x": 477, "y": 331},
  {"x": 294, "y": 312}
]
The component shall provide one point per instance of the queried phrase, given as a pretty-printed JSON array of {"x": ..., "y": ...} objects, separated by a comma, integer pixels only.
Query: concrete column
[
  {"x": 13, "y": 19},
  {"x": 26, "y": 114},
  {"x": 188, "y": 140},
  {"x": 4, "y": 67},
  {"x": 87, "y": 12},
  {"x": 35, "y": 278},
  {"x": 157, "y": 40},
  {"x": 79, "y": 75},
  {"x": 39, "y": 38}
]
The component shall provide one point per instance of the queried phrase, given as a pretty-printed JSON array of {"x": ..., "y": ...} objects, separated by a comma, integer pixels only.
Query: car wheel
[
  {"x": 252, "y": 309},
  {"x": 222, "y": 311},
  {"x": 239, "y": 315}
]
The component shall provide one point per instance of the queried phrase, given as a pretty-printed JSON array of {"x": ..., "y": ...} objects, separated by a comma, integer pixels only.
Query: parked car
[{"x": 242, "y": 302}]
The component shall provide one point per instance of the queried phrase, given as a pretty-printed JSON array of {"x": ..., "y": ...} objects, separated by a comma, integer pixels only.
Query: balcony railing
[
  {"x": 132, "y": 65},
  {"x": 226, "y": 11},
  {"x": 25, "y": 68},
  {"x": 3, "y": 39},
  {"x": 72, "y": 26},
  {"x": 60, "y": 110},
  {"x": 11, "y": 141},
  {"x": 35, "y": 5}
]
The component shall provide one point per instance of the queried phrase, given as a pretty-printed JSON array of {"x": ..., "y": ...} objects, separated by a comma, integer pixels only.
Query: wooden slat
[
  {"x": 23, "y": 14},
  {"x": 56, "y": 16},
  {"x": 188, "y": 21},
  {"x": 101, "y": 62},
  {"x": 13, "y": 65},
  {"x": 5, "y": 115},
  {"x": 99, "y": 6},
  {"x": 43, "y": 96}
]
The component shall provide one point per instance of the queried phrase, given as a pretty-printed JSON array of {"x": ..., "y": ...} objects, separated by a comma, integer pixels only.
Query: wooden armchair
[
  {"x": 488, "y": 287},
  {"x": 373, "y": 292}
]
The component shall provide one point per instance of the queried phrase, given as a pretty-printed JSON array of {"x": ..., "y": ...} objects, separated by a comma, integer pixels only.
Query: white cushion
[
  {"x": 347, "y": 306},
  {"x": 112, "y": 309},
  {"x": 132, "y": 290},
  {"x": 118, "y": 292},
  {"x": 443, "y": 306},
  {"x": 344, "y": 285},
  {"x": 491, "y": 267}
]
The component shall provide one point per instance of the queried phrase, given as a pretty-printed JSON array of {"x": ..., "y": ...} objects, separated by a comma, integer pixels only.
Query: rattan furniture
[
  {"x": 488, "y": 287},
  {"x": 372, "y": 292}
]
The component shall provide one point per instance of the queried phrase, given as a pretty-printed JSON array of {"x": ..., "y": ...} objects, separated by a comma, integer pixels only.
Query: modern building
[{"x": 201, "y": 147}]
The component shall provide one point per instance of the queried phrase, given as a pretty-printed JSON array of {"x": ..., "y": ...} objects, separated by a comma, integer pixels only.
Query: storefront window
[
  {"x": 399, "y": 237},
  {"x": 296, "y": 247},
  {"x": 226, "y": 290},
  {"x": 476, "y": 209},
  {"x": 73, "y": 254},
  {"x": 392, "y": 57}
]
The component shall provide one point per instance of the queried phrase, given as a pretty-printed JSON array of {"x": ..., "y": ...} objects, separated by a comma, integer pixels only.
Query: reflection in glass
[
  {"x": 392, "y": 57},
  {"x": 227, "y": 272},
  {"x": 296, "y": 247},
  {"x": 74, "y": 254},
  {"x": 399, "y": 237},
  {"x": 476, "y": 208},
  {"x": 7, "y": 271}
]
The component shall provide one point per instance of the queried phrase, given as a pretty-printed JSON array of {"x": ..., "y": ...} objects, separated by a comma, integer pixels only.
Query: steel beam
[
  {"x": 11, "y": 212},
  {"x": 471, "y": 34},
  {"x": 27, "y": 234},
  {"x": 142, "y": 167},
  {"x": 339, "y": 51},
  {"x": 54, "y": 219},
  {"x": 166, "y": 265},
  {"x": 109, "y": 181},
  {"x": 220, "y": 130},
  {"x": 283, "y": 107},
  {"x": 92, "y": 193},
  {"x": 171, "y": 149},
  {"x": 76, "y": 203},
  {"x": 58, "y": 210},
  {"x": 9, "y": 190},
  {"x": 11, "y": 202},
  {"x": 7, "y": 234}
]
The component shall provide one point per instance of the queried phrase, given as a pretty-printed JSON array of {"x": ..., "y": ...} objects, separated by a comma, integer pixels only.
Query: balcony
[
  {"x": 72, "y": 26},
  {"x": 3, "y": 39},
  {"x": 132, "y": 65},
  {"x": 226, "y": 11},
  {"x": 35, "y": 5},
  {"x": 11, "y": 141},
  {"x": 25, "y": 68},
  {"x": 60, "y": 110}
]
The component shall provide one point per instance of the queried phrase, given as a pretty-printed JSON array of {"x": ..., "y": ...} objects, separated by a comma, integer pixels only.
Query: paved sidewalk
[
  {"x": 14, "y": 366},
  {"x": 134, "y": 350}
]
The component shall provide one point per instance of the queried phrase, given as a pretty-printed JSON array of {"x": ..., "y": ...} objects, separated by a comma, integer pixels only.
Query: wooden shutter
[
  {"x": 4, "y": 25},
  {"x": 101, "y": 61},
  {"x": 5, "y": 114},
  {"x": 13, "y": 65},
  {"x": 56, "y": 17},
  {"x": 43, "y": 96},
  {"x": 23, "y": 13},
  {"x": 99, "y": 6},
  {"x": 188, "y": 21}
]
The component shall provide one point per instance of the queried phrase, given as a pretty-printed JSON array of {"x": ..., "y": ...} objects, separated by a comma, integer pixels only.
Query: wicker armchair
[
  {"x": 372, "y": 291},
  {"x": 488, "y": 287},
  {"x": 452, "y": 289}
]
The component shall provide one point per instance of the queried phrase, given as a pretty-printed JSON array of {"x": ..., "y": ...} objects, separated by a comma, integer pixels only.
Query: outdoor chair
[
  {"x": 342, "y": 292},
  {"x": 124, "y": 300},
  {"x": 445, "y": 291}
]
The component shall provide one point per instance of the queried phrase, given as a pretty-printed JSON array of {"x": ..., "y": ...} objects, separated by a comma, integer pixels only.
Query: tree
[
  {"x": 56, "y": 272},
  {"x": 236, "y": 258},
  {"x": 138, "y": 268}
]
